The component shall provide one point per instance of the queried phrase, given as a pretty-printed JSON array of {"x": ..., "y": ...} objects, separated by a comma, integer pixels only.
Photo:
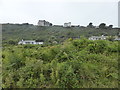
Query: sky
[{"x": 78, "y": 12}]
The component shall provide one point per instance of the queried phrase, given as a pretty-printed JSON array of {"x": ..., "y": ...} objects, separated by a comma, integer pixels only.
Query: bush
[
  {"x": 79, "y": 63},
  {"x": 11, "y": 42}
]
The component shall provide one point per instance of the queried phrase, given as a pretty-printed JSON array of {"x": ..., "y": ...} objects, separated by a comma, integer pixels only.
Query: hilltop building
[
  {"x": 29, "y": 42},
  {"x": 67, "y": 24},
  {"x": 117, "y": 39},
  {"x": 98, "y": 37},
  {"x": 44, "y": 23}
]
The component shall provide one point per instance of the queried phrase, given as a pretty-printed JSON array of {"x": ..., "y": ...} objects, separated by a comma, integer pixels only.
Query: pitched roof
[
  {"x": 98, "y": 36},
  {"x": 117, "y": 39}
]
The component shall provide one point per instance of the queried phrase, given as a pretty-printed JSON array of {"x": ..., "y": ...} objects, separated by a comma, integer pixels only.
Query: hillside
[
  {"x": 79, "y": 63},
  {"x": 73, "y": 64},
  {"x": 16, "y": 32}
]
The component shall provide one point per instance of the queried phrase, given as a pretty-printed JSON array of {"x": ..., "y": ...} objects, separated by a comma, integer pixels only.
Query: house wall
[
  {"x": 39, "y": 42},
  {"x": 67, "y": 24},
  {"x": 43, "y": 23},
  {"x": 97, "y": 38},
  {"x": 29, "y": 42}
]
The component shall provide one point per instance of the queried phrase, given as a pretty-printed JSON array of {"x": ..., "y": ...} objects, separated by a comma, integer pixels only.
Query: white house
[
  {"x": 67, "y": 24},
  {"x": 98, "y": 37},
  {"x": 117, "y": 39},
  {"x": 29, "y": 42},
  {"x": 44, "y": 23}
]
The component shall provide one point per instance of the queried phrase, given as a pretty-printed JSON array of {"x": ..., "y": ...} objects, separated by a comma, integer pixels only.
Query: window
[{"x": 27, "y": 42}]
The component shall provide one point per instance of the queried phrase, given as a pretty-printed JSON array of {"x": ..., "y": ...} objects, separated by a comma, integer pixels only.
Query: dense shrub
[{"x": 79, "y": 63}]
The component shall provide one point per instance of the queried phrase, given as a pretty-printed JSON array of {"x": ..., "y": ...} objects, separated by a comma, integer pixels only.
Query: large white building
[
  {"x": 44, "y": 23},
  {"x": 67, "y": 24},
  {"x": 117, "y": 38},
  {"x": 98, "y": 37},
  {"x": 29, "y": 42}
]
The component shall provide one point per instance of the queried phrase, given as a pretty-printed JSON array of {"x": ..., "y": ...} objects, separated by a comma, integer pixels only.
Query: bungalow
[
  {"x": 29, "y": 42},
  {"x": 44, "y": 23},
  {"x": 98, "y": 37},
  {"x": 117, "y": 39},
  {"x": 67, "y": 24}
]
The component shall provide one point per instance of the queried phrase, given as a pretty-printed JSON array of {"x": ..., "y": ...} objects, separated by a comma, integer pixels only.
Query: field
[
  {"x": 79, "y": 63},
  {"x": 72, "y": 62}
]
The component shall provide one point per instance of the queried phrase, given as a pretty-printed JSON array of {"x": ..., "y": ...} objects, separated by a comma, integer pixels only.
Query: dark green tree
[
  {"x": 11, "y": 42},
  {"x": 102, "y": 26},
  {"x": 110, "y": 26},
  {"x": 90, "y": 25}
]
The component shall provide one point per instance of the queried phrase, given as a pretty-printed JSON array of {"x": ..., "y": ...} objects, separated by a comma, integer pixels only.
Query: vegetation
[
  {"x": 12, "y": 33},
  {"x": 79, "y": 63},
  {"x": 66, "y": 60}
]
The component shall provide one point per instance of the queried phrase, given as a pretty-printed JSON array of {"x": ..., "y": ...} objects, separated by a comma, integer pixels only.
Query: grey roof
[
  {"x": 29, "y": 41},
  {"x": 98, "y": 36},
  {"x": 117, "y": 39}
]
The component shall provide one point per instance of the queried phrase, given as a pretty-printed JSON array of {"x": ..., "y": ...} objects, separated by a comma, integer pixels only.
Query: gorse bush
[
  {"x": 97, "y": 47},
  {"x": 79, "y": 63}
]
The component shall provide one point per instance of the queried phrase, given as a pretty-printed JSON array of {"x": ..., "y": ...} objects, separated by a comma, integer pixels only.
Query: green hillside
[
  {"x": 16, "y": 32},
  {"x": 75, "y": 62}
]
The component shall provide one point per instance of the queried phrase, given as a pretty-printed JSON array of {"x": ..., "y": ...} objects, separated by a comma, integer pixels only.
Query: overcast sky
[{"x": 78, "y": 12}]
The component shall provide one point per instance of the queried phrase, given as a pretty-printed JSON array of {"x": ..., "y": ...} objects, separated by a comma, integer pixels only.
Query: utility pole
[{"x": 119, "y": 14}]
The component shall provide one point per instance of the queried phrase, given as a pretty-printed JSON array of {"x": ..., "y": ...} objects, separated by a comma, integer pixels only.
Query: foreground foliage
[{"x": 73, "y": 64}]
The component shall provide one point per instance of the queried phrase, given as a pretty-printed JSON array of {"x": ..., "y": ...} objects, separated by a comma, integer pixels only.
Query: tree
[
  {"x": 110, "y": 26},
  {"x": 51, "y": 24},
  {"x": 39, "y": 40},
  {"x": 90, "y": 25},
  {"x": 102, "y": 26},
  {"x": 111, "y": 38},
  {"x": 12, "y": 42}
]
